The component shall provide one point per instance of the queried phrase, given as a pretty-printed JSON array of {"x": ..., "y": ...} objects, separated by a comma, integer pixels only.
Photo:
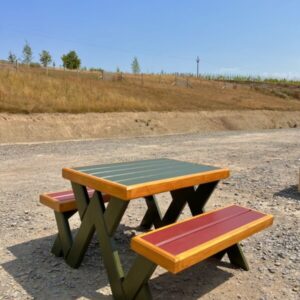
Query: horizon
[{"x": 232, "y": 38}]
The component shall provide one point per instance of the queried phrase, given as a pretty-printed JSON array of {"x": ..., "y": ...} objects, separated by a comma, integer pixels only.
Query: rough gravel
[{"x": 264, "y": 172}]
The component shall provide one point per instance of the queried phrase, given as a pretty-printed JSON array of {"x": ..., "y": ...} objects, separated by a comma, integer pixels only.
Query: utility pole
[{"x": 197, "y": 61}]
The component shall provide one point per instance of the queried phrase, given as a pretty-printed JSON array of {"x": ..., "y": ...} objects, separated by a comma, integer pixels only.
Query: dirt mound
[{"x": 47, "y": 127}]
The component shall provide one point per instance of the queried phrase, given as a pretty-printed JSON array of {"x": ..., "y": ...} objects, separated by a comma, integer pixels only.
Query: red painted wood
[
  {"x": 186, "y": 235},
  {"x": 69, "y": 195},
  {"x": 205, "y": 220}
]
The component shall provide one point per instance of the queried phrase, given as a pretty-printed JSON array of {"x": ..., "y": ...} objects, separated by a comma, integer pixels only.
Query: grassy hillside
[{"x": 31, "y": 90}]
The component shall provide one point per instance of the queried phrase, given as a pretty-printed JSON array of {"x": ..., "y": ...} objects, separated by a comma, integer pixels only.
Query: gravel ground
[{"x": 264, "y": 172}]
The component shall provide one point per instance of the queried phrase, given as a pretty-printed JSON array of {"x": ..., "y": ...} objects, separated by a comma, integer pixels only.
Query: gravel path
[{"x": 264, "y": 171}]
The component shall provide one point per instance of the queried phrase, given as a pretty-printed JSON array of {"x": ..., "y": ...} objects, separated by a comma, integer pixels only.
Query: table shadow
[
  {"x": 289, "y": 192},
  {"x": 44, "y": 276}
]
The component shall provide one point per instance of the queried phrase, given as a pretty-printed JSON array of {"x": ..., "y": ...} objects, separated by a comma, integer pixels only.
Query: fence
[{"x": 138, "y": 79}]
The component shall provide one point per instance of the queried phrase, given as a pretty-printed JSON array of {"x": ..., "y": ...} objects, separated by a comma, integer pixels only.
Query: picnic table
[{"x": 188, "y": 183}]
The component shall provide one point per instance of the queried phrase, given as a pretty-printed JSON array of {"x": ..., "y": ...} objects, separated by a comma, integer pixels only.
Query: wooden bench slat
[
  {"x": 67, "y": 195},
  {"x": 161, "y": 236},
  {"x": 183, "y": 236},
  {"x": 180, "y": 245}
]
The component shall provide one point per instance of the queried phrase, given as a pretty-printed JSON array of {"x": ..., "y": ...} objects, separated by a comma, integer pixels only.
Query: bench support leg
[
  {"x": 235, "y": 255},
  {"x": 63, "y": 240},
  {"x": 56, "y": 248},
  {"x": 80, "y": 244},
  {"x": 237, "y": 258}
]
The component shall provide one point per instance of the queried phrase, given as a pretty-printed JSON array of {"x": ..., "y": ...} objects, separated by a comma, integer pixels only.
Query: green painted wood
[
  {"x": 150, "y": 170},
  {"x": 136, "y": 280},
  {"x": 144, "y": 171},
  {"x": 163, "y": 174},
  {"x": 135, "y": 169},
  {"x": 115, "y": 166},
  {"x": 153, "y": 215},
  {"x": 198, "y": 198},
  {"x": 64, "y": 236},
  {"x": 81, "y": 196},
  {"x": 237, "y": 257}
]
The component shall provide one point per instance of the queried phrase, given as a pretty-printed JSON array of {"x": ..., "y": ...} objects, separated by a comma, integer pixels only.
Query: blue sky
[{"x": 237, "y": 37}]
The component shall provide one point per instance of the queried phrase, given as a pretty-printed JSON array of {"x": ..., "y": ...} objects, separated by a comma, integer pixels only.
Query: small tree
[
  {"x": 71, "y": 60},
  {"x": 45, "y": 58},
  {"x": 118, "y": 70},
  {"x": 27, "y": 53},
  {"x": 135, "y": 66},
  {"x": 12, "y": 58}
]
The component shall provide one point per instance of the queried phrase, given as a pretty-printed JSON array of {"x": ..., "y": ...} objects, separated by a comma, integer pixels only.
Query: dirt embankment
[{"x": 46, "y": 127}]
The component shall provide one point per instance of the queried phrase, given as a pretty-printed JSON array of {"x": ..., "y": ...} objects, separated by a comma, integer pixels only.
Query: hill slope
[{"x": 32, "y": 90}]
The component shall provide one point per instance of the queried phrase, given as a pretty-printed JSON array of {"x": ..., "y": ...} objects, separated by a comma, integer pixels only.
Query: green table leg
[
  {"x": 197, "y": 198},
  {"x": 109, "y": 253},
  {"x": 81, "y": 197},
  {"x": 176, "y": 207},
  {"x": 153, "y": 215},
  {"x": 112, "y": 214},
  {"x": 95, "y": 218},
  {"x": 135, "y": 283}
]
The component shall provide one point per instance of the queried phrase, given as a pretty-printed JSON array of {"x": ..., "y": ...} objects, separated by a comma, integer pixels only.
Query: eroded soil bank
[{"x": 46, "y": 127}]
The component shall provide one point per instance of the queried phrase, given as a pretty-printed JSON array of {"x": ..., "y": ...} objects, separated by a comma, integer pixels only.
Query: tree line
[{"x": 70, "y": 60}]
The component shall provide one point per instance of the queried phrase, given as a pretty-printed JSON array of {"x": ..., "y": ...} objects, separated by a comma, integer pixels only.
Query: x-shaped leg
[
  {"x": 64, "y": 238},
  {"x": 104, "y": 222},
  {"x": 195, "y": 198},
  {"x": 112, "y": 215}
]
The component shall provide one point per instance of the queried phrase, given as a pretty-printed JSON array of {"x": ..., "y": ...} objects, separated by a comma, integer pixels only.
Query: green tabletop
[{"x": 134, "y": 179}]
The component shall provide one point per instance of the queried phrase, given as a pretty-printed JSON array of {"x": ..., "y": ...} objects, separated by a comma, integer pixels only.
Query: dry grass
[{"x": 31, "y": 90}]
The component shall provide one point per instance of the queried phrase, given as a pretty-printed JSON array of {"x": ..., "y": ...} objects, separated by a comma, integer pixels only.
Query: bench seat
[
  {"x": 64, "y": 201},
  {"x": 64, "y": 206},
  {"x": 181, "y": 245}
]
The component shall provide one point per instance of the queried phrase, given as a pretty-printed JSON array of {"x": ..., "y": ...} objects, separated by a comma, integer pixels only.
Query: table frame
[{"x": 95, "y": 217}]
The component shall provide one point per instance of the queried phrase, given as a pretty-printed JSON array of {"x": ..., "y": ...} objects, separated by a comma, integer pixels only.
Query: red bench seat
[
  {"x": 64, "y": 201},
  {"x": 181, "y": 245}
]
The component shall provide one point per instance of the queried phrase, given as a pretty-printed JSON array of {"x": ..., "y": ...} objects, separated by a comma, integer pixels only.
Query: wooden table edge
[
  {"x": 130, "y": 192},
  {"x": 177, "y": 182},
  {"x": 100, "y": 184}
]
